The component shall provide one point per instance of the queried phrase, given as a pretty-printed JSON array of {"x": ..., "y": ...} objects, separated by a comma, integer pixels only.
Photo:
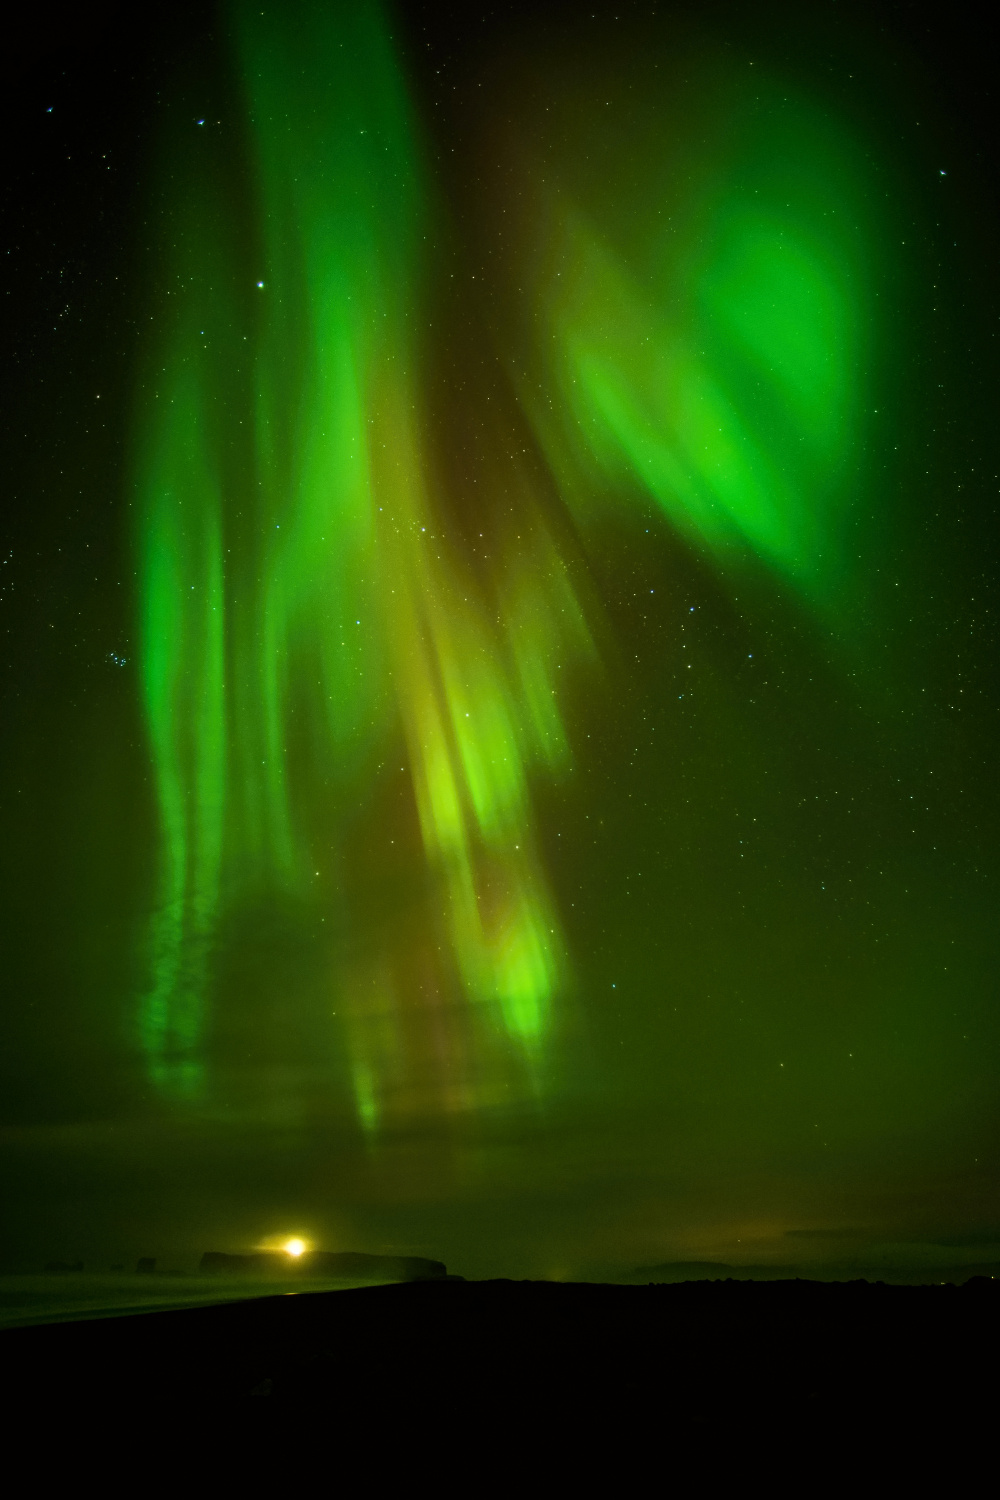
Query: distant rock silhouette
[
  {"x": 62, "y": 1267},
  {"x": 146, "y": 1265},
  {"x": 676, "y": 1271},
  {"x": 351, "y": 1265},
  {"x": 711, "y": 1270},
  {"x": 684, "y": 1270}
]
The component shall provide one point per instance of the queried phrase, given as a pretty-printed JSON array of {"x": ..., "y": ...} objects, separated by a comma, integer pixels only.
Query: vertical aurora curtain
[
  {"x": 308, "y": 615},
  {"x": 295, "y": 578}
]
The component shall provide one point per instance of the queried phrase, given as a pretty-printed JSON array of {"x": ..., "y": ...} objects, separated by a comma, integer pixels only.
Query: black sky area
[{"x": 781, "y": 1051}]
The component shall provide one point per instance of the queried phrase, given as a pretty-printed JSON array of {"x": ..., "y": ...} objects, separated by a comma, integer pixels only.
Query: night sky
[{"x": 498, "y": 635}]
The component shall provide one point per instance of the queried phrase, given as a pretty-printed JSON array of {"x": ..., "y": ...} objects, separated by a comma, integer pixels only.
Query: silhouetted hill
[
  {"x": 683, "y": 1270},
  {"x": 444, "y": 1355},
  {"x": 710, "y": 1270},
  {"x": 675, "y": 1271}
]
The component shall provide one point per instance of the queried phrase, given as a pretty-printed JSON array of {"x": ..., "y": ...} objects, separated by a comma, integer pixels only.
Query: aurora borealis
[
  {"x": 314, "y": 579},
  {"x": 530, "y": 803}
]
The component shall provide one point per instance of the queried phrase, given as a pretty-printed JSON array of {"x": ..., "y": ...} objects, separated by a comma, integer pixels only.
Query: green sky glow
[
  {"x": 500, "y": 601},
  {"x": 710, "y": 347},
  {"x": 721, "y": 372},
  {"x": 294, "y": 568}
]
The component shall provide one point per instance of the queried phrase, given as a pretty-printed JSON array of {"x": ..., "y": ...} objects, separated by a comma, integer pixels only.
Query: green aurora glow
[
  {"x": 720, "y": 370},
  {"x": 311, "y": 578},
  {"x": 501, "y": 641},
  {"x": 713, "y": 350}
]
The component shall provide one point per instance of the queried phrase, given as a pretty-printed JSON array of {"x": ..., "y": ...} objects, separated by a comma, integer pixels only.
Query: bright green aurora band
[{"x": 305, "y": 609}]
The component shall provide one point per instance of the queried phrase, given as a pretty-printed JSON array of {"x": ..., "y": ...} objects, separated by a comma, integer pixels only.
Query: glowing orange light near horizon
[{"x": 294, "y": 1247}]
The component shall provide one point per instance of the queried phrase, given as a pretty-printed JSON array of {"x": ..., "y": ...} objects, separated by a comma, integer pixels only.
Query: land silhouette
[{"x": 812, "y": 1352}]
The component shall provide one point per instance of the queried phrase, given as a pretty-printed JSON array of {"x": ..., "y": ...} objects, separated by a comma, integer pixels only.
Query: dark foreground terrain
[{"x": 522, "y": 1353}]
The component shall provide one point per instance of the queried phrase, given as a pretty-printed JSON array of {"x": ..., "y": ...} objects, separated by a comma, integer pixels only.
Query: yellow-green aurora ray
[{"x": 292, "y": 563}]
